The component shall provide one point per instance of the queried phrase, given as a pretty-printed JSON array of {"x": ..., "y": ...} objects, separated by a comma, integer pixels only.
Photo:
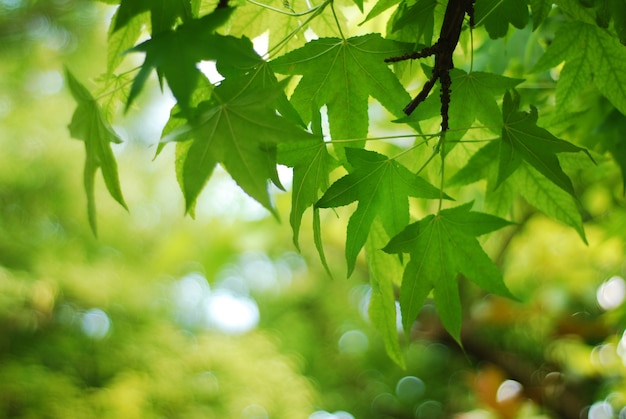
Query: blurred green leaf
[{"x": 89, "y": 125}]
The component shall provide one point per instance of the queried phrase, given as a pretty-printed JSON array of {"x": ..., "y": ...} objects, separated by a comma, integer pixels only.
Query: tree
[{"x": 507, "y": 132}]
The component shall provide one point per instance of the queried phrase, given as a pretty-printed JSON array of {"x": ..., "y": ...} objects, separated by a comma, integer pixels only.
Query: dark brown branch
[{"x": 443, "y": 50}]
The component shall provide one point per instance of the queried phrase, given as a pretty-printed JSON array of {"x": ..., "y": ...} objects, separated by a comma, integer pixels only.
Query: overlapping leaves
[
  {"x": 175, "y": 55},
  {"x": 382, "y": 186},
  {"x": 239, "y": 128}
]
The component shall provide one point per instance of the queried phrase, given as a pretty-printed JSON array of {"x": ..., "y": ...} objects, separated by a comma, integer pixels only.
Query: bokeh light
[{"x": 611, "y": 293}]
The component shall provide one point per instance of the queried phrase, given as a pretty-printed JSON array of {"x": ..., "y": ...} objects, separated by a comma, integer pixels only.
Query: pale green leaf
[
  {"x": 380, "y": 7},
  {"x": 89, "y": 125},
  {"x": 121, "y": 40}
]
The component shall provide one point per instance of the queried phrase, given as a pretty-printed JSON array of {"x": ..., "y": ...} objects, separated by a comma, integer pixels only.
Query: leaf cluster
[{"x": 267, "y": 109}]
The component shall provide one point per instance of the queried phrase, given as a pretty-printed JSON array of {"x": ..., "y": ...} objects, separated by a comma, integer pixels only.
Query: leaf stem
[
  {"x": 332, "y": 7},
  {"x": 442, "y": 151},
  {"x": 316, "y": 11},
  {"x": 284, "y": 12},
  {"x": 387, "y": 137}
]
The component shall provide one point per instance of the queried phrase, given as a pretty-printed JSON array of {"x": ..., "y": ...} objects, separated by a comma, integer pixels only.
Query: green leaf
[
  {"x": 419, "y": 16},
  {"x": 540, "y": 10},
  {"x": 342, "y": 74},
  {"x": 477, "y": 167},
  {"x": 175, "y": 54},
  {"x": 442, "y": 247},
  {"x": 163, "y": 13},
  {"x": 617, "y": 10},
  {"x": 384, "y": 269},
  {"x": 239, "y": 128},
  {"x": 284, "y": 29},
  {"x": 380, "y": 7},
  {"x": 311, "y": 164},
  {"x": 498, "y": 14},
  {"x": 89, "y": 125},
  {"x": 522, "y": 139},
  {"x": 546, "y": 197},
  {"x": 474, "y": 97},
  {"x": 382, "y": 187},
  {"x": 589, "y": 53},
  {"x": 121, "y": 40}
]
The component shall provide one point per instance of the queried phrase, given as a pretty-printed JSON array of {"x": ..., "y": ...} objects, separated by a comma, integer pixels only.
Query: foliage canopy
[{"x": 416, "y": 210}]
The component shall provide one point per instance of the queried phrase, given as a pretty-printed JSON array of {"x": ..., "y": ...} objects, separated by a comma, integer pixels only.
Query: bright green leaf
[
  {"x": 88, "y": 124},
  {"x": 342, "y": 74},
  {"x": 382, "y": 187},
  {"x": 442, "y": 247}
]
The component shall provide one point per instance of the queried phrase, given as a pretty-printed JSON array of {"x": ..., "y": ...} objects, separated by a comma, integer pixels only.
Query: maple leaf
[
  {"x": 382, "y": 187},
  {"x": 418, "y": 18},
  {"x": 163, "y": 13},
  {"x": 89, "y": 125},
  {"x": 239, "y": 128},
  {"x": 441, "y": 248},
  {"x": 590, "y": 53},
  {"x": 522, "y": 139},
  {"x": 174, "y": 54},
  {"x": 342, "y": 74},
  {"x": 311, "y": 165},
  {"x": 475, "y": 95}
]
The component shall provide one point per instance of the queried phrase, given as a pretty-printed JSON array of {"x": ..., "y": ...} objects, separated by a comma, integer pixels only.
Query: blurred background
[{"x": 163, "y": 316}]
